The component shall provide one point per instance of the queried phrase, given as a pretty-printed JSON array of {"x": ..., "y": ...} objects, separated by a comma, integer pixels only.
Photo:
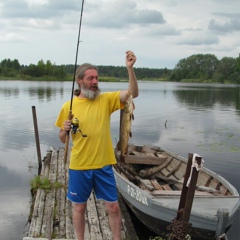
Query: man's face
[{"x": 89, "y": 84}]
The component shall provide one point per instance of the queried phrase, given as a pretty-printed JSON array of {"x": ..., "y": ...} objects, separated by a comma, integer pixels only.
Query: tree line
[
  {"x": 207, "y": 67},
  {"x": 12, "y": 69},
  {"x": 198, "y": 67}
]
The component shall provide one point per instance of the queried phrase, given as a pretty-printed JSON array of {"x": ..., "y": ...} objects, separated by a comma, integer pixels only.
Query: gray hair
[
  {"x": 80, "y": 72},
  {"x": 82, "y": 69}
]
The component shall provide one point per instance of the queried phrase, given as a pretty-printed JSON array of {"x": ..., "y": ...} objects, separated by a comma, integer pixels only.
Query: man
[{"x": 92, "y": 157}]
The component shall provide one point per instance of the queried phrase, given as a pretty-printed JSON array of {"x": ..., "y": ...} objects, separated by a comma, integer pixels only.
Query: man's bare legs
[
  {"x": 114, "y": 214},
  {"x": 79, "y": 219},
  {"x": 115, "y": 219}
]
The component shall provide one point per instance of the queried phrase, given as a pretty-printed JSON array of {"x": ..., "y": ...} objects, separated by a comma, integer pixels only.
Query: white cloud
[
  {"x": 37, "y": 2},
  {"x": 160, "y": 32},
  {"x": 199, "y": 38},
  {"x": 11, "y": 37}
]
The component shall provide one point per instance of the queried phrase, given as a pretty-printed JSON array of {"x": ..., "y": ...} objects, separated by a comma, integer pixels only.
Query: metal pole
[{"x": 37, "y": 139}]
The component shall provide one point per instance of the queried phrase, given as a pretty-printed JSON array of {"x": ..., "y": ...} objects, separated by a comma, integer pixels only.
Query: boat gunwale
[
  {"x": 233, "y": 191},
  {"x": 161, "y": 203},
  {"x": 217, "y": 176}
]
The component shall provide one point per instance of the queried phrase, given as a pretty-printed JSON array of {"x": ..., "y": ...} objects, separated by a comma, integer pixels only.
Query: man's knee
[
  {"x": 113, "y": 207},
  {"x": 79, "y": 208}
]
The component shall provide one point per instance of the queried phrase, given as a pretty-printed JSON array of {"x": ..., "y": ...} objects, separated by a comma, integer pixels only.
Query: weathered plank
[
  {"x": 156, "y": 185},
  {"x": 47, "y": 222},
  {"x": 94, "y": 225},
  {"x": 128, "y": 230},
  {"x": 103, "y": 219},
  {"x": 60, "y": 220},
  {"x": 148, "y": 185},
  {"x": 69, "y": 224},
  {"x": 177, "y": 193},
  {"x": 52, "y": 212},
  {"x": 145, "y": 174},
  {"x": 37, "y": 215},
  {"x": 141, "y": 158}
]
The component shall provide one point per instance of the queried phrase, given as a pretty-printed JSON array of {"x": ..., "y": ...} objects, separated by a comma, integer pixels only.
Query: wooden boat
[{"x": 151, "y": 181}]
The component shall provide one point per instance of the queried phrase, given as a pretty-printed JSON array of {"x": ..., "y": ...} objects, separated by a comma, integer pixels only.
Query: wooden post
[
  {"x": 191, "y": 192},
  {"x": 37, "y": 139},
  {"x": 223, "y": 215},
  {"x": 184, "y": 192},
  {"x": 181, "y": 224}
]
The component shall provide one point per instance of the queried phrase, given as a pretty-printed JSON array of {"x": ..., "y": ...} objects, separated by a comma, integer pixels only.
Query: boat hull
[
  {"x": 156, "y": 217},
  {"x": 210, "y": 216},
  {"x": 160, "y": 227}
]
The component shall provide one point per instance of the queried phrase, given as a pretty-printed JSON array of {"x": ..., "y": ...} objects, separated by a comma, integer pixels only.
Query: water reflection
[
  {"x": 206, "y": 98},
  {"x": 14, "y": 181},
  {"x": 43, "y": 93},
  {"x": 13, "y": 137},
  {"x": 8, "y": 92},
  {"x": 41, "y": 90},
  {"x": 200, "y": 118}
]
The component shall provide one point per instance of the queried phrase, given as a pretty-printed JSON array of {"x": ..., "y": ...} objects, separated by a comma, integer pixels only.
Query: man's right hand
[{"x": 67, "y": 125}]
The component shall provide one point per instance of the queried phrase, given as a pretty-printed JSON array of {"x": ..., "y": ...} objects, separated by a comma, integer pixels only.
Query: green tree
[
  {"x": 16, "y": 65},
  {"x": 49, "y": 68},
  {"x": 238, "y": 64},
  {"x": 32, "y": 70},
  {"x": 226, "y": 67},
  {"x": 198, "y": 66},
  {"x": 41, "y": 68},
  {"x": 8, "y": 63},
  {"x": 9, "y": 68}
]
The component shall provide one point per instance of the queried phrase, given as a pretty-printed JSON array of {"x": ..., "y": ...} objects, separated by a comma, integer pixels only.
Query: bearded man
[{"x": 92, "y": 157}]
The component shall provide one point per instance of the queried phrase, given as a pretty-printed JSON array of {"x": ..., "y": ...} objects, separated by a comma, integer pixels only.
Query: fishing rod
[{"x": 74, "y": 75}]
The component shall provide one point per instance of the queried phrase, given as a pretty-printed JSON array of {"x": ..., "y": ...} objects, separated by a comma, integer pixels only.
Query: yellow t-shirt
[{"x": 96, "y": 150}]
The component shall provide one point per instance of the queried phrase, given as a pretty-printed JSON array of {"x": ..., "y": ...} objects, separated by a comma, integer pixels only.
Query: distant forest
[{"x": 196, "y": 68}]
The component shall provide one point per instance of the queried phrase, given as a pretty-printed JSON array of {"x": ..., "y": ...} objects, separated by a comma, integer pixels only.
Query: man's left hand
[{"x": 130, "y": 59}]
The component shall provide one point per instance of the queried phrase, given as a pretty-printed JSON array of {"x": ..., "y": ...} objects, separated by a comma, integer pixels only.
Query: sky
[{"x": 159, "y": 32}]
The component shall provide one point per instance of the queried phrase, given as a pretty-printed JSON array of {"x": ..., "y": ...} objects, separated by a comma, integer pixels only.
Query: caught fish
[{"x": 126, "y": 123}]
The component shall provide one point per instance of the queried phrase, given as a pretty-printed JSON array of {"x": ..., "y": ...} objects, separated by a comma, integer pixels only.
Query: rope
[
  {"x": 194, "y": 165},
  {"x": 179, "y": 229}
]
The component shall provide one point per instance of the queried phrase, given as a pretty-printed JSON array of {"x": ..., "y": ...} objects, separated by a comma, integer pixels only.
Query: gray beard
[{"x": 89, "y": 94}]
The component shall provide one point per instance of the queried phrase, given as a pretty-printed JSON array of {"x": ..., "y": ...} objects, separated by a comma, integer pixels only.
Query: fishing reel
[{"x": 75, "y": 127}]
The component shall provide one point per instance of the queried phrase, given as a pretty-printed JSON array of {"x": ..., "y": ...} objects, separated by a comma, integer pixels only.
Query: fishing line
[{"x": 73, "y": 83}]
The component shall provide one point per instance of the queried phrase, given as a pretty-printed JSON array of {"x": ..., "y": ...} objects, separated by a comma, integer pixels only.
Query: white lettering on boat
[{"x": 135, "y": 193}]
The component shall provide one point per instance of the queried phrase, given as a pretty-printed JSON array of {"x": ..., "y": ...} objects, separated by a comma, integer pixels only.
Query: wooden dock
[{"x": 51, "y": 213}]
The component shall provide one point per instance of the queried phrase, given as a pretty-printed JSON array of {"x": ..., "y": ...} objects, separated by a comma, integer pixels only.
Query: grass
[{"x": 43, "y": 183}]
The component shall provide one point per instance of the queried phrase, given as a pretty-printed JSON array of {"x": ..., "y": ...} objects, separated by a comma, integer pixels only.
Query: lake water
[{"x": 199, "y": 118}]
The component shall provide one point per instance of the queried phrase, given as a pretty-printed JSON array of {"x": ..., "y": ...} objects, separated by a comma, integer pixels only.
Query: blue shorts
[{"x": 82, "y": 182}]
